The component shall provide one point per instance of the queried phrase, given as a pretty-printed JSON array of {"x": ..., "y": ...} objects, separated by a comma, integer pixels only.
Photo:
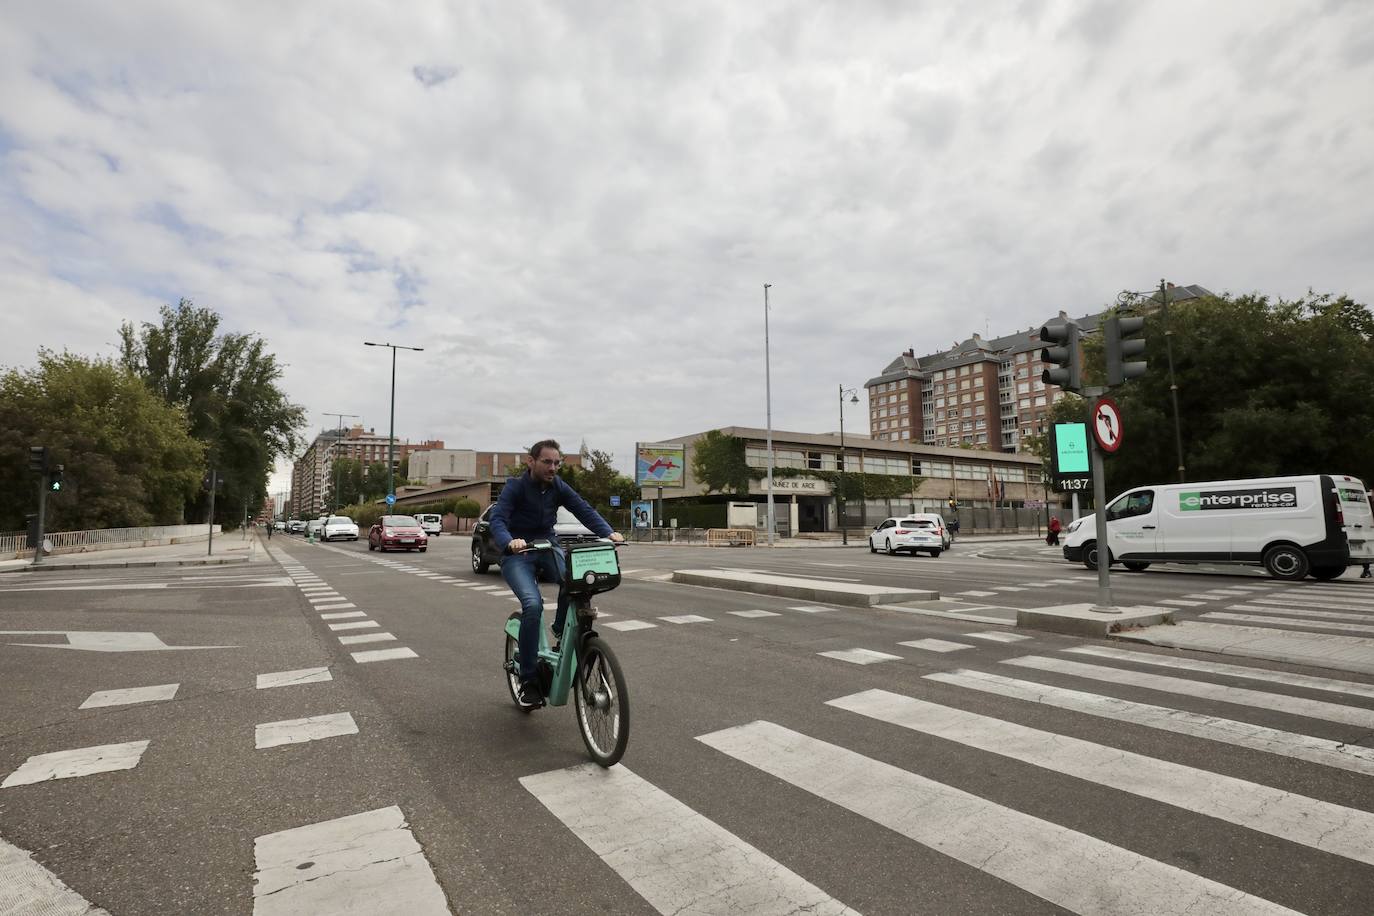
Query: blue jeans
[{"x": 521, "y": 572}]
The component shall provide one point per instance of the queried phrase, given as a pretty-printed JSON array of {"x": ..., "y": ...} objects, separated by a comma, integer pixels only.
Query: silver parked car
[{"x": 339, "y": 528}]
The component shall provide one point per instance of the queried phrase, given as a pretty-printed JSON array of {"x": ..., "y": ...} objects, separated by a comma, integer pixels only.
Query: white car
[
  {"x": 433, "y": 524},
  {"x": 338, "y": 528},
  {"x": 914, "y": 534},
  {"x": 313, "y": 527}
]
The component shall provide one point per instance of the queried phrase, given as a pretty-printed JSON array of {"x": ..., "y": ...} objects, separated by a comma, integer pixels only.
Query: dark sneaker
[
  {"x": 557, "y": 641},
  {"x": 530, "y": 696}
]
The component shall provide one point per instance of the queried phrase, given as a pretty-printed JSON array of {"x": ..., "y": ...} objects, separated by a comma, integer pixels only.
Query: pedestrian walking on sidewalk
[{"x": 1052, "y": 539}]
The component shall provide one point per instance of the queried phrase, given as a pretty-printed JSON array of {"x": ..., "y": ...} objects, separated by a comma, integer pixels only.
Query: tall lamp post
[
  {"x": 391, "y": 435},
  {"x": 334, "y": 460},
  {"x": 839, "y": 490},
  {"x": 768, "y": 396}
]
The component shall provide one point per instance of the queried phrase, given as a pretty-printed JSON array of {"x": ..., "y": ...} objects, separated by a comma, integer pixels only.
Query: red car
[{"x": 401, "y": 531}]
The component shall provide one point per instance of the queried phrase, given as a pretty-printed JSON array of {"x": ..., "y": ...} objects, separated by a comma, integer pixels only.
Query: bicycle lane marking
[{"x": 673, "y": 857}]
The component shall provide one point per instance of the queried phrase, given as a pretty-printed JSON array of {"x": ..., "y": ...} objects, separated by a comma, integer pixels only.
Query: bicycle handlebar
[{"x": 546, "y": 544}]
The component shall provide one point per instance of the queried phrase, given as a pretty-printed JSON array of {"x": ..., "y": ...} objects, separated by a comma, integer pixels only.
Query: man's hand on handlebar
[
  {"x": 617, "y": 537},
  {"x": 516, "y": 545}
]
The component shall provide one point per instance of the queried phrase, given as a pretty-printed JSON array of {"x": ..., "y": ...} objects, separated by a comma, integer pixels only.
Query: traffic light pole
[
  {"x": 42, "y": 515},
  {"x": 214, "y": 484},
  {"x": 1105, "y": 604}
]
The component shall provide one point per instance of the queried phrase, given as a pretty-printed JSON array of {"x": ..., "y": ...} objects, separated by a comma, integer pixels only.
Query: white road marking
[
  {"x": 860, "y": 656},
  {"x": 341, "y": 615},
  {"x": 298, "y": 731},
  {"x": 292, "y": 678},
  {"x": 1291, "y": 621},
  {"x": 1336, "y": 604},
  {"x": 354, "y": 625},
  {"x": 1037, "y": 584},
  {"x": 130, "y": 695},
  {"x": 1008, "y": 588},
  {"x": 680, "y": 618},
  {"x": 381, "y": 655},
  {"x": 673, "y": 857},
  {"x": 488, "y": 588},
  {"x": 1241, "y": 696},
  {"x": 32, "y": 890},
  {"x": 995, "y": 636},
  {"x": 1072, "y": 870},
  {"x": 81, "y": 761},
  {"x": 979, "y": 594},
  {"x": 1300, "y": 819},
  {"x": 1333, "y": 685},
  {"x": 936, "y": 645},
  {"x": 365, "y": 637},
  {"x": 334, "y": 607},
  {"x": 325, "y": 599},
  {"x": 1299, "y": 612},
  {"x": 363, "y": 863},
  {"x": 1213, "y": 728},
  {"x": 97, "y": 641},
  {"x": 812, "y": 610},
  {"x": 624, "y": 625},
  {"x": 1179, "y": 602},
  {"x": 754, "y": 613}
]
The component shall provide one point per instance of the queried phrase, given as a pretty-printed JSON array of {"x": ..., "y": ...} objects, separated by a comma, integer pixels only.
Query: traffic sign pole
[{"x": 42, "y": 517}]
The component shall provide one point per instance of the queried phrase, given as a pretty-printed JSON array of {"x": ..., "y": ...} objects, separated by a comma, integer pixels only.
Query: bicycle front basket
[{"x": 592, "y": 568}]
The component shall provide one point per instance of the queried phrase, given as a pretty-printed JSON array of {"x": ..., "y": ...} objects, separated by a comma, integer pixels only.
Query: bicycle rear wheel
[{"x": 602, "y": 703}]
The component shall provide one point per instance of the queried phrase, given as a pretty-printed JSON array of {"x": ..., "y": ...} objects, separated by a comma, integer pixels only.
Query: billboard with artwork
[{"x": 660, "y": 465}]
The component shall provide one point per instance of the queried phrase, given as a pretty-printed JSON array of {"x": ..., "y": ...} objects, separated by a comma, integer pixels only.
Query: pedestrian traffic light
[
  {"x": 33, "y": 535},
  {"x": 55, "y": 478},
  {"x": 38, "y": 458},
  {"x": 1064, "y": 355},
  {"x": 1120, "y": 346}
]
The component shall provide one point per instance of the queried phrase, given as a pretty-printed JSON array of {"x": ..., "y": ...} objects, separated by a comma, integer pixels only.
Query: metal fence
[{"x": 13, "y": 544}]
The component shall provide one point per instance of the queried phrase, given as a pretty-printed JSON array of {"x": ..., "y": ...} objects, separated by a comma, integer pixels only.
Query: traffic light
[
  {"x": 207, "y": 482},
  {"x": 1121, "y": 346},
  {"x": 55, "y": 478},
  {"x": 953, "y": 503},
  {"x": 32, "y": 537},
  {"x": 1064, "y": 355},
  {"x": 38, "y": 458}
]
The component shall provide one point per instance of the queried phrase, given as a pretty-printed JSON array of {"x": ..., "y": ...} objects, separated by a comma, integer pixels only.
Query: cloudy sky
[{"x": 573, "y": 207}]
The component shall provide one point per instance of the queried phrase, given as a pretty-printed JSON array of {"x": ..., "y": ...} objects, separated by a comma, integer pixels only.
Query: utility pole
[
  {"x": 768, "y": 398},
  {"x": 1173, "y": 387}
]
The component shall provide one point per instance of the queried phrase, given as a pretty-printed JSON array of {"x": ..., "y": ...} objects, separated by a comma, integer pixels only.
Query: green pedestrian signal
[{"x": 55, "y": 479}]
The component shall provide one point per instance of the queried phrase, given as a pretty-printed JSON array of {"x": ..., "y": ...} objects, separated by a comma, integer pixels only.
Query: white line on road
[
  {"x": 995, "y": 636},
  {"x": 298, "y": 731},
  {"x": 341, "y": 615},
  {"x": 292, "y": 678},
  {"x": 363, "y": 863},
  {"x": 1292, "y": 621},
  {"x": 1313, "y": 682},
  {"x": 29, "y": 889},
  {"x": 81, "y": 761},
  {"x": 382, "y": 655},
  {"x": 860, "y": 656},
  {"x": 673, "y": 857},
  {"x": 679, "y": 618},
  {"x": 754, "y": 613},
  {"x": 354, "y": 625},
  {"x": 624, "y": 625},
  {"x": 366, "y": 637},
  {"x": 130, "y": 695},
  {"x": 1073, "y": 870},
  {"x": 1324, "y": 751},
  {"x": 936, "y": 645}
]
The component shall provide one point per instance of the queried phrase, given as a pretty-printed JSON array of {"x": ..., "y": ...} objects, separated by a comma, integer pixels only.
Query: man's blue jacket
[{"x": 528, "y": 511}]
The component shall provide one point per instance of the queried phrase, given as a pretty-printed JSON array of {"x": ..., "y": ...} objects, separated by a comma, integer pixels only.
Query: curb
[{"x": 131, "y": 564}]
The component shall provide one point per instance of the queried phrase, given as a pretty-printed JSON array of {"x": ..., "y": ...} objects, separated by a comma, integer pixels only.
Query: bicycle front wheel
[{"x": 602, "y": 703}]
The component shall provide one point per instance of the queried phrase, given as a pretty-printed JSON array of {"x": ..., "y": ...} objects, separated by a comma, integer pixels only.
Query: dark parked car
[
  {"x": 568, "y": 529},
  {"x": 399, "y": 531}
]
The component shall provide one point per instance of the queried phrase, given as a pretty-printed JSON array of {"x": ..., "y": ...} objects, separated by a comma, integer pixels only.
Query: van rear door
[{"x": 1358, "y": 517}]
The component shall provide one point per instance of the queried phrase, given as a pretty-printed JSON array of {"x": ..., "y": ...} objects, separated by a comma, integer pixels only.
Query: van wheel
[
  {"x": 1090, "y": 555},
  {"x": 1286, "y": 562},
  {"x": 1327, "y": 573},
  {"x": 1135, "y": 565}
]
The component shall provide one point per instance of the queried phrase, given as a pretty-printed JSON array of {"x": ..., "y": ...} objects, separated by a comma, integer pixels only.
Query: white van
[
  {"x": 1316, "y": 524},
  {"x": 433, "y": 525}
]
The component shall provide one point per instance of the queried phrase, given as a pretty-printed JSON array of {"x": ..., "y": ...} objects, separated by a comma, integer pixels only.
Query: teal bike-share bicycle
[{"x": 583, "y": 664}]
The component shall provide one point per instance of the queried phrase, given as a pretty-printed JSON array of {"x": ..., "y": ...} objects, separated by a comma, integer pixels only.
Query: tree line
[
  {"x": 1266, "y": 387},
  {"x": 136, "y": 434}
]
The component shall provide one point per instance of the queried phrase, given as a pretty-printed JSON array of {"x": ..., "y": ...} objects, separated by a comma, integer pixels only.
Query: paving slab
[
  {"x": 1319, "y": 650},
  {"x": 853, "y": 594},
  {"x": 1084, "y": 620}
]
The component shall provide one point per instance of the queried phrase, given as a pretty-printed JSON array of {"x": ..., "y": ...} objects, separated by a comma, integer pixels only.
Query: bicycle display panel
[{"x": 593, "y": 569}]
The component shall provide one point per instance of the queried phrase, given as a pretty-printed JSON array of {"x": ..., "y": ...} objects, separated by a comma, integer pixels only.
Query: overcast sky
[{"x": 573, "y": 207}]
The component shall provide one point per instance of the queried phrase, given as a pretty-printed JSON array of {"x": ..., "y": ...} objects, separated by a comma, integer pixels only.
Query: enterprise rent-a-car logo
[{"x": 1263, "y": 498}]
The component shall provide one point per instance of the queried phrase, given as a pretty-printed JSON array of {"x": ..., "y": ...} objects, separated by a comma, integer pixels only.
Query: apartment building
[
  {"x": 979, "y": 393},
  {"x": 311, "y": 474}
]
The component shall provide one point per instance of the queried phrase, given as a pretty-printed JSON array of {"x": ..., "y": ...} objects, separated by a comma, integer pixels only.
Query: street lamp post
[
  {"x": 768, "y": 400},
  {"x": 334, "y": 460},
  {"x": 839, "y": 489},
  {"x": 391, "y": 435}
]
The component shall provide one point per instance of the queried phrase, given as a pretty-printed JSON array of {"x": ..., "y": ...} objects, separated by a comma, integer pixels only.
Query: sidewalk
[
  {"x": 856, "y": 542},
  {"x": 230, "y": 548}
]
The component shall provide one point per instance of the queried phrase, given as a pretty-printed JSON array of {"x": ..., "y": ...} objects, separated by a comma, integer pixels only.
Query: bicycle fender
[{"x": 513, "y": 628}]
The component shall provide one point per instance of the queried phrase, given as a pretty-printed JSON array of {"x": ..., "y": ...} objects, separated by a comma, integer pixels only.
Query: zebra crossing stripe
[
  {"x": 1070, "y": 869},
  {"x": 298, "y": 731},
  {"x": 936, "y": 645},
  {"x": 31, "y": 888},
  {"x": 1241, "y": 696},
  {"x": 860, "y": 656},
  {"x": 1298, "y": 612},
  {"x": 81, "y": 761},
  {"x": 1337, "y": 754},
  {"x": 1351, "y": 688},
  {"x": 673, "y": 857},
  {"x": 1178, "y": 602},
  {"x": 1310, "y": 822},
  {"x": 1336, "y": 604},
  {"x": 1291, "y": 621},
  {"x": 362, "y": 863}
]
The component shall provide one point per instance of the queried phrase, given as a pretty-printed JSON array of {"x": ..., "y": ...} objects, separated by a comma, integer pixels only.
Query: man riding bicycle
[{"x": 527, "y": 510}]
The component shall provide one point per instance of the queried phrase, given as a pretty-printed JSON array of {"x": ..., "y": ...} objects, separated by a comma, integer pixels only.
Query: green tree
[
  {"x": 228, "y": 386},
  {"x": 129, "y": 458},
  {"x": 1264, "y": 388},
  {"x": 349, "y": 473},
  {"x": 719, "y": 465}
]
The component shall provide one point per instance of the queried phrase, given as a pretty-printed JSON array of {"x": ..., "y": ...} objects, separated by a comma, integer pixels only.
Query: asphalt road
[{"x": 762, "y": 776}]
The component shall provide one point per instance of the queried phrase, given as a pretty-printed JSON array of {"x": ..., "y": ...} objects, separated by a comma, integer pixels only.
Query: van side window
[{"x": 1142, "y": 502}]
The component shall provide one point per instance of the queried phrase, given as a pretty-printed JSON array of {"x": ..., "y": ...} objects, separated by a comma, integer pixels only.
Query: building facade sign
[{"x": 808, "y": 486}]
